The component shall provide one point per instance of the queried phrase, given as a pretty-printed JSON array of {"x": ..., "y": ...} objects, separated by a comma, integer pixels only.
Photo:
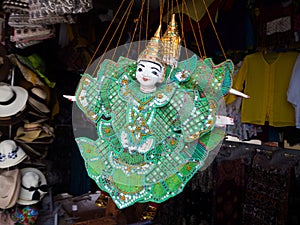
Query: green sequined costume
[{"x": 150, "y": 144}]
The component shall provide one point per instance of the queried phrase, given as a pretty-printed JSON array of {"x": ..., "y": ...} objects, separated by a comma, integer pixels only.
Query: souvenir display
[{"x": 154, "y": 119}]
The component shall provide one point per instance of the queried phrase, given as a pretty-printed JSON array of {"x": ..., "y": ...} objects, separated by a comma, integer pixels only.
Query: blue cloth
[
  {"x": 80, "y": 181},
  {"x": 293, "y": 92}
]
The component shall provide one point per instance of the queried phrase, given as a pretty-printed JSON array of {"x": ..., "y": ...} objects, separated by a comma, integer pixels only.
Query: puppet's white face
[{"x": 148, "y": 75}]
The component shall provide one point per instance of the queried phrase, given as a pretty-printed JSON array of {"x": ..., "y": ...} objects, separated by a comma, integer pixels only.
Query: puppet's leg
[
  {"x": 150, "y": 212},
  {"x": 102, "y": 200}
]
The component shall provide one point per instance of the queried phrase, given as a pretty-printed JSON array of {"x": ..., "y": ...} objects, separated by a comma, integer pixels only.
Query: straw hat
[
  {"x": 38, "y": 133},
  {"x": 37, "y": 99},
  {"x": 9, "y": 187},
  {"x": 10, "y": 154},
  {"x": 33, "y": 186},
  {"x": 12, "y": 99},
  {"x": 35, "y": 151},
  {"x": 14, "y": 119}
]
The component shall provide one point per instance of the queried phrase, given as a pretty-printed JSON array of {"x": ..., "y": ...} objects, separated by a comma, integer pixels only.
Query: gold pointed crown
[
  {"x": 171, "y": 43},
  {"x": 153, "y": 49}
]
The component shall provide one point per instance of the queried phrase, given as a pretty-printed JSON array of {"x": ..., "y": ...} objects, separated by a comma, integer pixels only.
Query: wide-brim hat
[
  {"x": 35, "y": 151},
  {"x": 9, "y": 187},
  {"x": 38, "y": 100},
  {"x": 35, "y": 133},
  {"x": 33, "y": 186},
  {"x": 4, "y": 63},
  {"x": 13, "y": 99},
  {"x": 35, "y": 117},
  {"x": 14, "y": 119},
  {"x": 10, "y": 154}
]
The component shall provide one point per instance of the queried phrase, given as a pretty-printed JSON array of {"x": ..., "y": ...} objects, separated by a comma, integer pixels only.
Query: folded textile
[
  {"x": 26, "y": 44},
  {"x": 39, "y": 15},
  {"x": 38, "y": 33},
  {"x": 66, "y": 6},
  {"x": 17, "y": 6},
  {"x": 21, "y": 20}
]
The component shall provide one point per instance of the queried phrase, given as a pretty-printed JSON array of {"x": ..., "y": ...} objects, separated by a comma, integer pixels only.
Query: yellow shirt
[{"x": 265, "y": 78}]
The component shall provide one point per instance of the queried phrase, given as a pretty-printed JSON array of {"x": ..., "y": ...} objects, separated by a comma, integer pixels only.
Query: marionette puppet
[{"x": 156, "y": 120}]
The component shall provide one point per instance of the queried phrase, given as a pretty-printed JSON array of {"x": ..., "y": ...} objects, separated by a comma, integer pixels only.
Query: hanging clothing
[
  {"x": 293, "y": 92},
  {"x": 265, "y": 78}
]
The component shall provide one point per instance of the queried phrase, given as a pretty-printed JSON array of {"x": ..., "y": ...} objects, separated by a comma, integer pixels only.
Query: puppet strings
[{"x": 170, "y": 4}]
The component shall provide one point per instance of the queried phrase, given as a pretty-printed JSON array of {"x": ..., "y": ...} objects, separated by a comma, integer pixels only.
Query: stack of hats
[
  {"x": 26, "y": 109},
  {"x": 29, "y": 110},
  {"x": 20, "y": 189},
  {"x": 37, "y": 101},
  {"x": 36, "y": 134}
]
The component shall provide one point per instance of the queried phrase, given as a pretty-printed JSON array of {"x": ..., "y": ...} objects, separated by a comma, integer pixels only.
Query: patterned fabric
[
  {"x": 273, "y": 25},
  {"x": 279, "y": 25},
  {"x": 229, "y": 191},
  {"x": 34, "y": 33},
  {"x": 151, "y": 144},
  {"x": 231, "y": 168},
  {"x": 17, "y": 6},
  {"x": 67, "y": 6},
  {"x": 243, "y": 131},
  {"x": 39, "y": 15},
  {"x": 267, "y": 191},
  {"x": 21, "y": 20}
]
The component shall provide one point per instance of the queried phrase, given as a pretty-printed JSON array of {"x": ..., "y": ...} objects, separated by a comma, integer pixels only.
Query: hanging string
[
  {"x": 147, "y": 19},
  {"x": 161, "y": 10},
  {"x": 172, "y": 5},
  {"x": 104, "y": 36},
  {"x": 200, "y": 33},
  {"x": 216, "y": 33},
  {"x": 122, "y": 31},
  {"x": 127, "y": 12},
  {"x": 136, "y": 26},
  {"x": 139, "y": 23},
  {"x": 168, "y": 8},
  {"x": 140, "y": 19},
  {"x": 182, "y": 26},
  {"x": 128, "y": 9},
  {"x": 193, "y": 30}
]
